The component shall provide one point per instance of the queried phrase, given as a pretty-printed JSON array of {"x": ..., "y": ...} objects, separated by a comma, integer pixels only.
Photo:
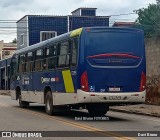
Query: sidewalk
[
  {"x": 4, "y": 92},
  {"x": 142, "y": 109}
]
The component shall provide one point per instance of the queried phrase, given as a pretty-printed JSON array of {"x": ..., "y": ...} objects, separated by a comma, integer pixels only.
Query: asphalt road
[{"x": 34, "y": 118}]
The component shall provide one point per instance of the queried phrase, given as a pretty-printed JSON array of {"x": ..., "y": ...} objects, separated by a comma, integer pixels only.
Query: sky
[{"x": 16, "y": 9}]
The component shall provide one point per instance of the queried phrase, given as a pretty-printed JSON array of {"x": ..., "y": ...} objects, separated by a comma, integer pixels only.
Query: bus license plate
[{"x": 114, "y": 89}]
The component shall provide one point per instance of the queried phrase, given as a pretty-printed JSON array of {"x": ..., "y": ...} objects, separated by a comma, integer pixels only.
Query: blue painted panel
[
  {"x": 60, "y": 24},
  {"x": 74, "y": 78},
  {"x": 26, "y": 82},
  {"x": 86, "y": 12},
  {"x": 60, "y": 82},
  {"x": 3, "y": 62},
  {"x": 8, "y": 61},
  {"x": 42, "y": 23},
  {"x": 78, "y": 22},
  {"x": 43, "y": 79},
  {"x": 109, "y": 41}
]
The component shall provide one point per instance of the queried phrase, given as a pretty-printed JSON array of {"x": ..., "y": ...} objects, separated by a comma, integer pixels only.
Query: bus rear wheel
[
  {"x": 49, "y": 103},
  {"x": 97, "y": 109},
  {"x": 22, "y": 104}
]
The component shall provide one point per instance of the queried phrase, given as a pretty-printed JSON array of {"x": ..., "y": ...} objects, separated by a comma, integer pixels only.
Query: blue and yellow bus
[{"x": 91, "y": 68}]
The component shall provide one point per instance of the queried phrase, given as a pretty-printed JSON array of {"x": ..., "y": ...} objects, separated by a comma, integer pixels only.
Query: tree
[
  {"x": 14, "y": 41},
  {"x": 149, "y": 19},
  {"x": 158, "y": 2}
]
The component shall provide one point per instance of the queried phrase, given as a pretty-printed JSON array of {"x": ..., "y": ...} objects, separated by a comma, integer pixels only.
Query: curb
[
  {"x": 6, "y": 94},
  {"x": 134, "y": 112}
]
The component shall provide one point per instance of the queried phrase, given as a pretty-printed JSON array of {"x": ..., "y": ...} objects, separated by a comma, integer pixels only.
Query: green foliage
[
  {"x": 14, "y": 41},
  {"x": 158, "y": 2},
  {"x": 149, "y": 19}
]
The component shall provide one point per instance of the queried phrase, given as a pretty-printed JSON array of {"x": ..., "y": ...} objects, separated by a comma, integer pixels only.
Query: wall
[
  {"x": 31, "y": 26},
  {"x": 1, "y": 47},
  {"x": 83, "y": 21},
  {"x": 88, "y": 12},
  {"x": 22, "y": 29},
  {"x": 7, "y": 49},
  {"x": 76, "y": 13},
  {"x": 45, "y": 23},
  {"x": 153, "y": 70}
]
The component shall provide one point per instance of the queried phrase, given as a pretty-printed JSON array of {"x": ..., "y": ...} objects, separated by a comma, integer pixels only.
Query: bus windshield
[
  {"x": 110, "y": 44},
  {"x": 117, "y": 56}
]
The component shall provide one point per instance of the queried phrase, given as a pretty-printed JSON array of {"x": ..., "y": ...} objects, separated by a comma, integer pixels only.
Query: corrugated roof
[{"x": 40, "y": 16}]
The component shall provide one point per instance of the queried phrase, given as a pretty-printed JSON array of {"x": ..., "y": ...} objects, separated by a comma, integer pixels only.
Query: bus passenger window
[
  {"x": 29, "y": 63},
  {"x": 22, "y": 67},
  {"x": 39, "y": 60},
  {"x": 50, "y": 55},
  {"x": 64, "y": 55},
  {"x": 51, "y": 63},
  {"x": 13, "y": 68},
  {"x": 74, "y": 44},
  {"x": 47, "y": 52},
  {"x": 50, "y": 52}
]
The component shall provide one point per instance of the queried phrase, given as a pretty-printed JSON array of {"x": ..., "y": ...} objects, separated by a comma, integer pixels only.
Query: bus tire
[
  {"x": 49, "y": 103},
  {"x": 22, "y": 104},
  {"x": 98, "y": 109}
]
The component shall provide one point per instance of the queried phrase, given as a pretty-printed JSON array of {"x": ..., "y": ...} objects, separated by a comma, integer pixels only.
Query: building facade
[
  {"x": 7, "y": 49},
  {"x": 6, "y": 52},
  {"x": 32, "y": 29},
  {"x": 123, "y": 24}
]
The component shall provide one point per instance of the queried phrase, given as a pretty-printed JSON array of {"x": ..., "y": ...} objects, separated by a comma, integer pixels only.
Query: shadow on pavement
[{"x": 71, "y": 114}]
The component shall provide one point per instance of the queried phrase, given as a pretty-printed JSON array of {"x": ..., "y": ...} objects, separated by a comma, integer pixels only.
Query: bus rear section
[{"x": 113, "y": 70}]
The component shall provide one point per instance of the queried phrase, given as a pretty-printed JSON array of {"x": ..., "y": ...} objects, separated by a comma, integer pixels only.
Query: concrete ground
[
  {"x": 4, "y": 92},
  {"x": 114, "y": 125}
]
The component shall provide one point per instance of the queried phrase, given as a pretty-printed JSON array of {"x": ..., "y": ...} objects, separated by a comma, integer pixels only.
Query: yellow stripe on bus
[
  {"x": 76, "y": 32},
  {"x": 68, "y": 83}
]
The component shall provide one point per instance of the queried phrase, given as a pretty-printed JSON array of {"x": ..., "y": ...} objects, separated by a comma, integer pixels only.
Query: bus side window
[
  {"x": 29, "y": 62},
  {"x": 50, "y": 55},
  {"x": 39, "y": 60},
  {"x": 13, "y": 68},
  {"x": 64, "y": 55},
  {"x": 22, "y": 63},
  {"x": 74, "y": 44},
  {"x": 18, "y": 57}
]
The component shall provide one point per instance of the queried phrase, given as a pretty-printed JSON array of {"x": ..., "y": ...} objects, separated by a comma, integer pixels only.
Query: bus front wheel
[
  {"x": 49, "y": 103},
  {"x": 97, "y": 109}
]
